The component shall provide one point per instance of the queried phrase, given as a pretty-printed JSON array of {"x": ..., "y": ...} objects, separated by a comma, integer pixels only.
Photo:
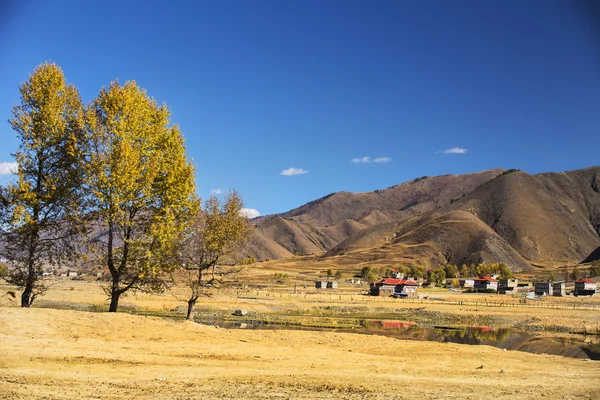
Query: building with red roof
[
  {"x": 485, "y": 283},
  {"x": 390, "y": 286},
  {"x": 585, "y": 287}
]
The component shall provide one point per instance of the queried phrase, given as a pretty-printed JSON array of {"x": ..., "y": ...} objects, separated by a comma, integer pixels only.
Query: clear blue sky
[{"x": 259, "y": 87}]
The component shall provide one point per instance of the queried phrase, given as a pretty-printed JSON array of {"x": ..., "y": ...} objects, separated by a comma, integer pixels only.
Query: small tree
[
  {"x": 594, "y": 269},
  {"x": 329, "y": 273},
  {"x": 36, "y": 212},
  {"x": 208, "y": 252},
  {"x": 141, "y": 188},
  {"x": 338, "y": 275},
  {"x": 551, "y": 278},
  {"x": 505, "y": 272},
  {"x": 366, "y": 271},
  {"x": 575, "y": 273}
]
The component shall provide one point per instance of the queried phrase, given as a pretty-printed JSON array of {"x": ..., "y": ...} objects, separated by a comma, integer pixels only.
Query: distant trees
[
  {"x": 210, "y": 248},
  {"x": 38, "y": 211},
  {"x": 368, "y": 274},
  {"x": 140, "y": 186},
  {"x": 594, "y": 269},
  {"x": 501, "y": 269},
  {"x": 575, "y": 273}
]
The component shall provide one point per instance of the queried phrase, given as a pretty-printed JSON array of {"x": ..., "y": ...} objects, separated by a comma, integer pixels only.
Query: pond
[{"x": 576, "y": 346}]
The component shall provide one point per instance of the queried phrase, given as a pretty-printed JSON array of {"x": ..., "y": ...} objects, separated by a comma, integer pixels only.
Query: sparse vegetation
[{"x": 508, "y": 171}]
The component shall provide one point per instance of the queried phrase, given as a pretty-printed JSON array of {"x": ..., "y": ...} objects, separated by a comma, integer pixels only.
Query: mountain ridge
[{"x": 486, "y": 216}]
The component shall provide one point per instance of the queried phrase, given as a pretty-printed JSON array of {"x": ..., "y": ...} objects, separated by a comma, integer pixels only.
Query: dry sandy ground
[{"x": 57, "y": 354}]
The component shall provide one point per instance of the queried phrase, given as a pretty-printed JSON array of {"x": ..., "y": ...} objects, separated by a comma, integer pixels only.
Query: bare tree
[{"x": 210, "y": 250}]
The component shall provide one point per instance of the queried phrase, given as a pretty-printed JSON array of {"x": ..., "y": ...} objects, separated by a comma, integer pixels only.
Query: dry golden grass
[
  {"x": 59, "y": 354},
  {"x": 65, "y": 354}
]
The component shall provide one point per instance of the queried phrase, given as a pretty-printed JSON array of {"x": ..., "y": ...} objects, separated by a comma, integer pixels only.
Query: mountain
[
  {"x": 323, "y": 223},
  {"x": 490, "y": 216}
]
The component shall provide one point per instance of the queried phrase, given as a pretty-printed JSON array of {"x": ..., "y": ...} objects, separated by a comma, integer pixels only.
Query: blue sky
[{"x": 286, "y": 100}]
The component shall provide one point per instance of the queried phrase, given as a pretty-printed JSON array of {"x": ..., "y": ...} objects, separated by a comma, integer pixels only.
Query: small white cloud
[
  {"x": 216, "y": 191},
  {"x": 367, "y": 160},
  {"x": 455, "y": 150},
  {"x": 361, "y": 160},
  {"x": 294, "y": 171},
  {"x": 250, "y": 212},
  {"x": 8, "y": 168},
  {"x": 382, "y": 159}
]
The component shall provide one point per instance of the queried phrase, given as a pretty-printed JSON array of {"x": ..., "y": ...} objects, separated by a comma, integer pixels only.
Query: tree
[
  {"x": 141, "y": 188},
  {"x": 366, "y": 271},
  {"x": 551, "y": 278},
  {"x": 575, "y": 273},
  {"x": 329, "y": 273},
  {"x": 594, "y": 269},
  {"x": 505, "y": 272},
  {"x": 212, "y": 246},
  {"x": 37, "y": 211},
  {"x": 338, "y": 275}
]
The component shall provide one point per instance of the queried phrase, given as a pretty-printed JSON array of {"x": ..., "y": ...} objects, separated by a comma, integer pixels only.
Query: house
[
  {"x": 507, "y": 285},
  {"x": 389, "y": 286},
  {"x": 326, "y": 284},
  {"x": 543, "y": 288},
  {"x": 321, "y": 284},
  {"x": 558, "y": 289},
  {"x": 485, "y": 283},
  {"x": 585, "y": 287},
  {"x": 467, "y": 283}
]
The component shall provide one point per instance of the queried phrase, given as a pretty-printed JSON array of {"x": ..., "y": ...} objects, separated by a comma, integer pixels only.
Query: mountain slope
[
  {"x": 323, "y": 223},
  {"x": 516, "y": 218}
]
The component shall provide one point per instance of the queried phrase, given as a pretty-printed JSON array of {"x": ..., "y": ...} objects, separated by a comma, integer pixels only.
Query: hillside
[
  {"x": 324, "y": 223},
  {"x": 517, "y": 218}
]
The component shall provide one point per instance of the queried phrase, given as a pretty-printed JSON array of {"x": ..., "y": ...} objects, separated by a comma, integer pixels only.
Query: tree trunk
[
  {"x": 190, "y": 310},
  {"x": 26, "y": 297},
  {"x": 115, "y": 293}
]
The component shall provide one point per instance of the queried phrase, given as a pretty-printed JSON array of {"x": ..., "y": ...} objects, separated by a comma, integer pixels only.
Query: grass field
[{"x": 61, "y": 350}]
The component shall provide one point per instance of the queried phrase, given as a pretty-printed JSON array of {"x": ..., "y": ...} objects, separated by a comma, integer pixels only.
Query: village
[{"x": 399, "y": 286}]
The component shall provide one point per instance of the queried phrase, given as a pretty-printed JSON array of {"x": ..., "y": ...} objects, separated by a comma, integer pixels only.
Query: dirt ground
[{"x": 63, "y": 354}]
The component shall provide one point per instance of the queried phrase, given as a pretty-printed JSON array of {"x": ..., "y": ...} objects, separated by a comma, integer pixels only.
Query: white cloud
[
  {"x": 367, "y": 160},
  {"x": 382, "y": 159},
  {"x": 455, "y": 150},
  {"x": 250, "y": 212},
  {"x": 294, "y": 171},
  {"x": 216, "y": 191},
  {"x": 7, "y": 168},
  {"x": 361, "y": 160}
]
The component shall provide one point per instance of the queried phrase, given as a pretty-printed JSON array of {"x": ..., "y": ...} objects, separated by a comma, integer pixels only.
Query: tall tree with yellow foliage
[
  {"x": 213, "y": 245},
  {"x": 141, "y": 186},
  {"x": 38, "y": 210}
]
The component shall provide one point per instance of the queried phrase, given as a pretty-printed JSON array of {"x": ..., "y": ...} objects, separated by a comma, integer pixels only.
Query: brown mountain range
[{"x": 489, "y": 216}]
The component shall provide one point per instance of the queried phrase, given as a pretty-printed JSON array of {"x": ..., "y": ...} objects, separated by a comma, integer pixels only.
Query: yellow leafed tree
[
  {"x": 141, "y": 188},
  {"x": 38, "y": 211},
  {"x": 212, "y": 246}
]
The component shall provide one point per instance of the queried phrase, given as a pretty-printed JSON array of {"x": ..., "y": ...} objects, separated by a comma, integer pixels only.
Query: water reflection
[{"x": 509, "y": 339}]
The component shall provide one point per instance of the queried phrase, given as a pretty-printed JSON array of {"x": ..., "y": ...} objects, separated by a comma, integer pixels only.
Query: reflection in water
[{"x": 509, "y": 339}]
